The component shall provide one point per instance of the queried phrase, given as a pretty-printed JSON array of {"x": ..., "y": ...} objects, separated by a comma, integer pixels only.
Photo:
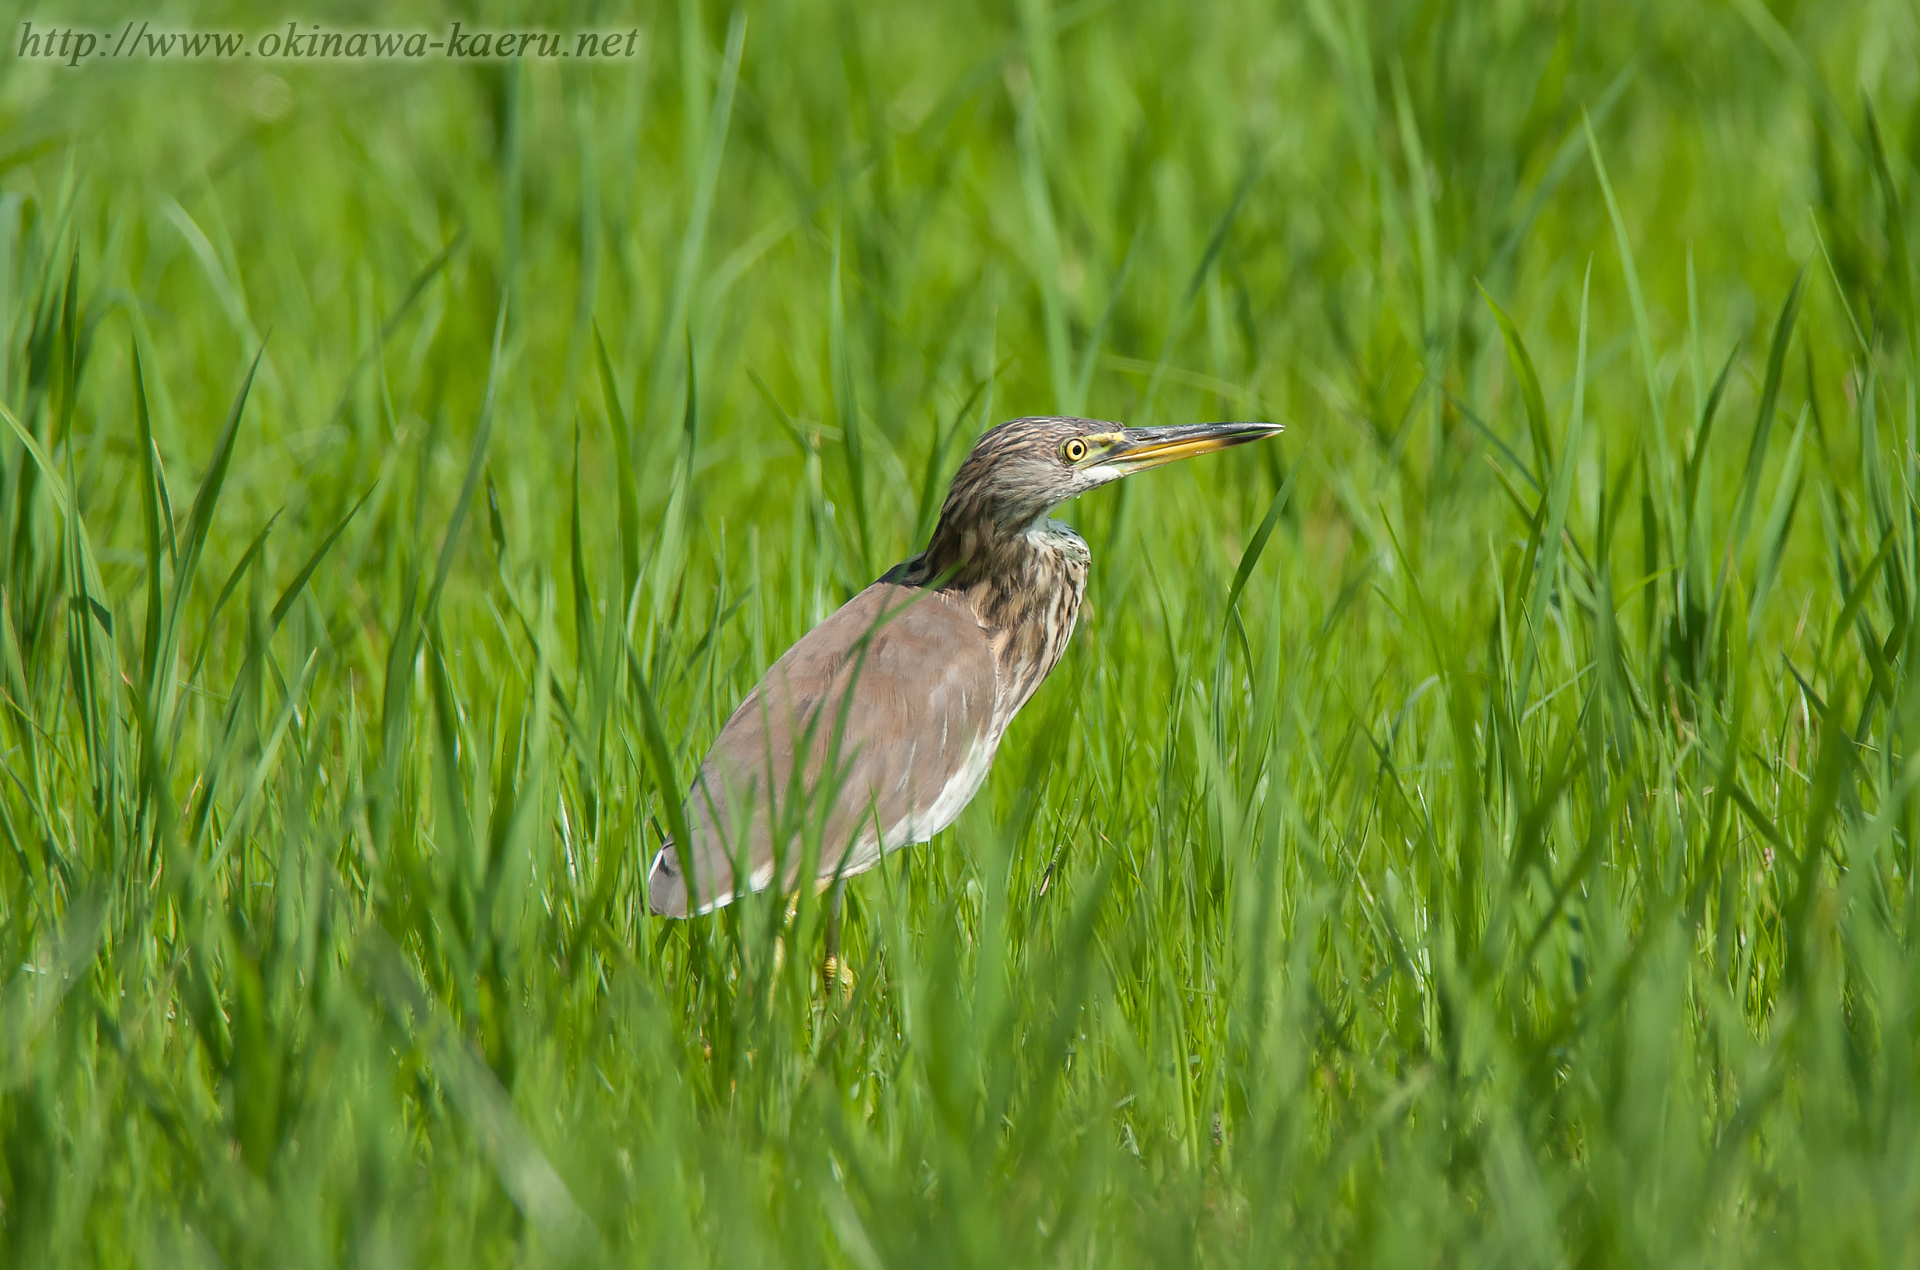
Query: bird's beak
[{"x": 1142, "y": 448}]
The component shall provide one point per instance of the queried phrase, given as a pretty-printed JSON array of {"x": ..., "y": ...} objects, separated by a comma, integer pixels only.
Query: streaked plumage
[{"x": 917, "y": 677}]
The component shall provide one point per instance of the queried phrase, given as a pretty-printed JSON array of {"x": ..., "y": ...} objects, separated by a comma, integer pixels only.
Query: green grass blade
[
  {"x": 200, "y": 515},
  {"x": 666, "y": 781},
  {"x": 1531, "y": 399},
  {"x": 1258, "y": 543},
  {"x": 1559, "y": 494},
  {"x": 1763, "y": 423},
  {"x": 227, "y": 588},
  {"x": 626, "y": 488},
  {"x": 847, "y": 411},
  {"x": 476, "y": 466},
  {"x": 1642, "y": 331},
  {"x": 149, "y": 525},
  {"x": 285, "y": 602}
]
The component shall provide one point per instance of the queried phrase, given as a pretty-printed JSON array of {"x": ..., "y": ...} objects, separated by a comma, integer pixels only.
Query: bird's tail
[{"x": 666, "y": 888}]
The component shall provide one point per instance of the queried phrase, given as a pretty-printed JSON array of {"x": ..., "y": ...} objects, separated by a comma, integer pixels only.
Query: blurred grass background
[{"x": 1478, "y": 829}]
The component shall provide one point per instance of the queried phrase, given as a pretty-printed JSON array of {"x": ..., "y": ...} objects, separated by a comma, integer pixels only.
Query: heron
[{"x": 879, "y": 726}]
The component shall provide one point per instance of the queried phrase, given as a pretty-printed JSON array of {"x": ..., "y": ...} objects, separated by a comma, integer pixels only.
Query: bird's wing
[{"x": 912, "y": 734}]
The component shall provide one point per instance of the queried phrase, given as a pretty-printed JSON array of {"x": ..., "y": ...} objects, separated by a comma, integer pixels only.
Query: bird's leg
[{"x": 835, "y": 973}]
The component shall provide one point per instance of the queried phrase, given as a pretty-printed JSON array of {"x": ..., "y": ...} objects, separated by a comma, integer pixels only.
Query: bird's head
[{"x": 1024, "y": 468}]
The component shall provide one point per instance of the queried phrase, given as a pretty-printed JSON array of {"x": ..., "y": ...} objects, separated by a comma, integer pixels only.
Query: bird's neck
[
  {"x": 1024, "y": 589},
  {"x": 978, "y": 550}
]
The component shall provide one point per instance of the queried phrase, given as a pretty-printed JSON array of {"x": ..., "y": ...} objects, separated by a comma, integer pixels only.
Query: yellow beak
[{"x": 1143, "y": 448}]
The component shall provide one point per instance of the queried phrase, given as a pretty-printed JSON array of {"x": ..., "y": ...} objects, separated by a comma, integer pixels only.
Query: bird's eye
[{"x": 1075, "y": 450}]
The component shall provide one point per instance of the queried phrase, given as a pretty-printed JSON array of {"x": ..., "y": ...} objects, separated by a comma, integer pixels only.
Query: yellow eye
[{"x": 1075, "y": 450}]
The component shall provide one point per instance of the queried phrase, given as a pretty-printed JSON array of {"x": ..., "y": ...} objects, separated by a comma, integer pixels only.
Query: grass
[{"x": 1479, "y": 829}]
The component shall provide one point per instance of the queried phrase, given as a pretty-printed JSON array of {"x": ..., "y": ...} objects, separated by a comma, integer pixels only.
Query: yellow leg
[{"x": 835, "y": 973}]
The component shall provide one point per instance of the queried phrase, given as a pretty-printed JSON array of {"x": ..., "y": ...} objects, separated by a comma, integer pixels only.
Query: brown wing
[{"x": 916, "y": 725}]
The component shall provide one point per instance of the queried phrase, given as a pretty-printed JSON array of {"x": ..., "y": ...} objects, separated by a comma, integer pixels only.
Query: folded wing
[{"x": 886, "y": 711}]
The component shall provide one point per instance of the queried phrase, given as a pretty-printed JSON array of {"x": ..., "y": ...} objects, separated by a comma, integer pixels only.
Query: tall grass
[{"x": 1477, "y": 830}]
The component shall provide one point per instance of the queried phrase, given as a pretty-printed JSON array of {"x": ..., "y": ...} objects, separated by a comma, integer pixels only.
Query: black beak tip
[{"x": 1239, "y": 433}]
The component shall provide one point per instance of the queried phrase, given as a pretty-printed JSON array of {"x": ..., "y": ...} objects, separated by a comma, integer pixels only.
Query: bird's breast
[{"x": 1028, "y": 612}]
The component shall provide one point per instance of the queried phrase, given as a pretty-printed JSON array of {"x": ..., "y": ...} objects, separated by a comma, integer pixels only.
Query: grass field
[{"x": 1477, "y": 829}]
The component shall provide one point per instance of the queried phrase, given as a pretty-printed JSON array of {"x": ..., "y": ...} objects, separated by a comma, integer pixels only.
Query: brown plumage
[{"x": 893, "y": 707}]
